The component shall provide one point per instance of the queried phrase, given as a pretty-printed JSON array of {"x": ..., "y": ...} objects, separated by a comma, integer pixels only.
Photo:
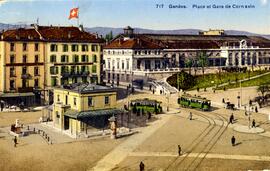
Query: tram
[
  {"x": 146, "y": 105},
  {"x": 196, "y": 102}
]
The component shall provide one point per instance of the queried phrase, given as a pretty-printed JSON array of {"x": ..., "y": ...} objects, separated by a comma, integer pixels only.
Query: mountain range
[{"x": 105, "y": 30}]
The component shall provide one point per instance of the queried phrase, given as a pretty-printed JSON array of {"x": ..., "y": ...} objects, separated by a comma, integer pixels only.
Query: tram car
[
  {"x": 146, "y": 105},
  {"x": 196, "y": 102}
]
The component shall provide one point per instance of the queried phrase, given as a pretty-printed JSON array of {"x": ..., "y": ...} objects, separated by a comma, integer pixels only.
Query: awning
[
  {"x": 92, "y": 113},
  {"x": 17, "y": 94}
]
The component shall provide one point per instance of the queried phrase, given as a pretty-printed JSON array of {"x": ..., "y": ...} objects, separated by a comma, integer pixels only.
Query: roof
[
  {"x": 145, "y": 101},
  {"x": 17, "y": 94},
  {"x": 182, "y": 41},
  {"x": 136, "y": 42},
  {"x": 50, "y": 33},
  {"x": 84, "y": 88},
  {"x": 92, "y": 113}
]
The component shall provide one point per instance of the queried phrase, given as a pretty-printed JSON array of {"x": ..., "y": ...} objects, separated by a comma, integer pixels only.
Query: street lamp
[{"x": 238, "y": 97}]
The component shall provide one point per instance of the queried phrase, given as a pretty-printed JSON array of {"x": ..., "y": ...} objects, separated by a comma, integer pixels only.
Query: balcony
[
  {"x": 25, "y": 89},
  {"x": 26, "y": 76},
  {"x": 75, "y": 74}
]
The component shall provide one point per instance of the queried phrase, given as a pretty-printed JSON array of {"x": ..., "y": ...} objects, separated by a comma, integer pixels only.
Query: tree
[
  {"x": 202, "y": 60},
  {"x": 189, "y": 63},
  {"x": 109, "y": 36},
  {"x": 263, "y": 88}
]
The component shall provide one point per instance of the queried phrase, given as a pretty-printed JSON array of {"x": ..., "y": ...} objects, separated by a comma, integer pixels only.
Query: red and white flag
[{"x": 74, "y": 13}]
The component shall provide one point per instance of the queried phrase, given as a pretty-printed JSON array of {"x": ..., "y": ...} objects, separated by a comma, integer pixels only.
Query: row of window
[
  {"x": 118, "y": 64},
  {"x": 25, "y": 83},
  {"x": 75, "y": 58},
  {"x": 90, "y": 100},
  {"x": 73, "y": 48},
  {"x": 24, "y": 47},
  {"x": 24, "y": 71},
  {"x": 65, "y": 80},
  {"x": 73, "y": 69},
  {"x": 24, "y": 59}
]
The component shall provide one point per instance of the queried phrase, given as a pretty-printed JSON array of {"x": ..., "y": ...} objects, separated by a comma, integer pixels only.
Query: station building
[{"x": 144, "y": 56}]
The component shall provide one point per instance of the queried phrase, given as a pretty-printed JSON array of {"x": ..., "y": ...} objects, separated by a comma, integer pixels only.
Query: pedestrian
[
  {"x": 15, "y": 141},
  {"x": 223, "y": 100},
  {"x": 2, "y": 106},
  {"x": 256, "y": 109},
  {"x": 198, "y": 89},
  {"x": 231, "y": 118},
  {"x": 233, "y": 141},
  {"x": 253, "y": 123},
  {"x": 190, "y": 116},
  {"x": 141, "y": 166},
  {"x": 153, "y": 91},
  {"x": 179, "y": 150}
]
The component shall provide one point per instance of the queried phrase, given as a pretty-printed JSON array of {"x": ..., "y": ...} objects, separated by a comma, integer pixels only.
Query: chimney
[{"x": 81, "y": 27}]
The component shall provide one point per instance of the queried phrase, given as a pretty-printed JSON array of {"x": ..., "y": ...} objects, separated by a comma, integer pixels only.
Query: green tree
[
  {"x": 188, "y": 64},
  {"x": 109, "y": 36},
  {"x": 263, "y": 89},
  {"x": 202, "y": 60}
]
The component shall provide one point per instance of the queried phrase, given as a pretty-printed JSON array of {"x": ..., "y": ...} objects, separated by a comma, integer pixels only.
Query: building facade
[
  {"x": 150, "y": 54},
  {"x": 38, "y": 58},
  {"x": 80, "y": 107}
]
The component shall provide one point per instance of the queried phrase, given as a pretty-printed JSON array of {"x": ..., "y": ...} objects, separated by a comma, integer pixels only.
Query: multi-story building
[
  {"x": 41, "y": 57},
  {"x": 78, "y": 107},
  {"x": 150, "y": 55}
]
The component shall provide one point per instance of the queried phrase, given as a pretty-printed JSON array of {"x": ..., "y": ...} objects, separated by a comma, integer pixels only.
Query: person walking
[
  {"x": 253, "y": 123},
  {"x": 231, "y": 118},
  {"x": 179, "y": 150},
  {"x": 190, "y": 116},
  {"x": 2, "y": 106},
  {"x": 15, "y": 141},
  {"x": 233, "y": 141},
  {"x": 141, "y": 166}
]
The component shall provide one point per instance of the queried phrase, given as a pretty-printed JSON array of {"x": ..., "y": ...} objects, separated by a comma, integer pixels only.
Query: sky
[{"x": 142, "y": 13}]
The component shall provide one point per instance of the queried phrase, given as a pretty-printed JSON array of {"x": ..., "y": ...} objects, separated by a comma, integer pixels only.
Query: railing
[
  {"x": 25, "y": 89},
  {"x": 26, "y": 76}
]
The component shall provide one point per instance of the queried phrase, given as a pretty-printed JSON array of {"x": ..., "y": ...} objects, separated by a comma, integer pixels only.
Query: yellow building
[
  {"x": 79, "y": 107},
  {"x": 33, "y": 60},
  {"x": 21, "y": 66}
]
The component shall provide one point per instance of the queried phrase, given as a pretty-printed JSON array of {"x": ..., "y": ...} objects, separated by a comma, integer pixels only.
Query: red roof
[{"x": 50, "y": 33}]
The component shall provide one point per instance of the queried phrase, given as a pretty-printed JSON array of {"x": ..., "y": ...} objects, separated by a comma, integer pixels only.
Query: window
[
  {"x": 107, "y": 101},
  {"x": 53, "y": 48},
  {"x": 75, "y": 58},
  {"x": 90, "y": 101},
  {"x": 12, "y": 72},
  {"x": 94, "y": 69},
  {"x": 36, "y": 59},
  {"x": 24, "y": 47},
  {"x": 12, "y": 47},
  {"x": 85, "y": 48},
  {"x": 24, "y": 58},
  {"x": 36, "y": 71},
  {"x": 127, "y": 64},
  {"x": 58, "y": 98},
  {"x": 12, "y": 59},
  {"x": 36, "y": 47},
  {"x": 53, "y": 70},
  {"x": 53, "y": 58},
  {"x": 24, "y": 83},
  {"x": 66, "y": 99},
  {"x": 74, "y": 48},
  {"x": 24, "y": 70},
  {"x": 36, "y": 82},
  {"x": 75, "y": 101},
  {"x": 84, "y": 58},
  {"x": 65, "y": 48},
  {"x": 94, "y": 58},
  {"x": 12, "y": 84},
  {"x": 64, "y": 69},
  {"x": 53, "y": 81},
  {"x": 94, "y": 48},
  {"x": 109, "y": 64},
  {"x": 118, "y": 64},
  {"x": 64, "y": 58},
  {"x": 123, "y": 64}
]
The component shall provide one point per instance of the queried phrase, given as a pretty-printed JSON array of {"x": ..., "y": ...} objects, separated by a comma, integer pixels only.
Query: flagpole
[{"x": 78, "y": 20}]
